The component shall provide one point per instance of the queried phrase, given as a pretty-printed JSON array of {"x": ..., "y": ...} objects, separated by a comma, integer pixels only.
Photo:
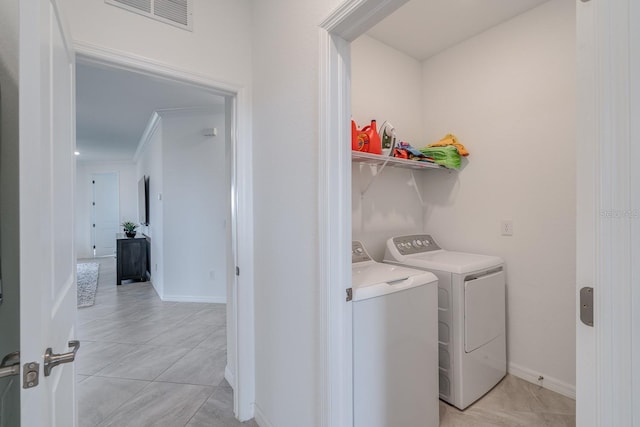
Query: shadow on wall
[
  {"x": 440, "y": 189},
  {"x": 395, "y": 201},
  {"x": 381, "y": 203}
]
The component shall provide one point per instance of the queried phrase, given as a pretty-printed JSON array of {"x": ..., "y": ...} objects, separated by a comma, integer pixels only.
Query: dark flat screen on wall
[{"x": 143, "y": 200}]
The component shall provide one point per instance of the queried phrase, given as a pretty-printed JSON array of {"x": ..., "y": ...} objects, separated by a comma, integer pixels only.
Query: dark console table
[{"x": 132, "y": 257}]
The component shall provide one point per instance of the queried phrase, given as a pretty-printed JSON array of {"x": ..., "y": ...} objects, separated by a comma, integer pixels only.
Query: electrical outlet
[{"x": 506, "y": 227}]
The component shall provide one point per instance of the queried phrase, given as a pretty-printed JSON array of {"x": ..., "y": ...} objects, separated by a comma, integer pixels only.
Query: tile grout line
[
  {"x": 209, "y": 318},
  {"x": 213, "y": 390}
]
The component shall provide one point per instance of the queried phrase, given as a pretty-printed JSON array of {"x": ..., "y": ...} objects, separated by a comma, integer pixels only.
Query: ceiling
[
  {"x": 113, "y": 107},
  {"x": 422, "y": 28}
]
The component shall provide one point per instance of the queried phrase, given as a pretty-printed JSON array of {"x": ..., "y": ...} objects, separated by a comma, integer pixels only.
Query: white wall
[
  {"x": 9, "y": 201},
  {"x": 509, "y": 94},
  {"x": 219, "y": 46},
  {"x": 385, "y": 85},
  {"x": 150, "y": 164},
  {"x": 127, "y": 198},
  {"x": 285, "y": 125},
  {"x": 188, "y": 206},
  {"x": 196, "y": 203}
]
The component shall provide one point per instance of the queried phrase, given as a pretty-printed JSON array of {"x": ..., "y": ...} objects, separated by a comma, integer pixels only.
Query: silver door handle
[
  {"x": 52, "y": 360},
  {"x": 10, "y": 365}
]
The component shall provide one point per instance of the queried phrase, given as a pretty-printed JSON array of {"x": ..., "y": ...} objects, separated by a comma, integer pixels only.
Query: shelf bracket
[
  {"x": 376, "y": 174},
  {"x": 415, "y": 187}
]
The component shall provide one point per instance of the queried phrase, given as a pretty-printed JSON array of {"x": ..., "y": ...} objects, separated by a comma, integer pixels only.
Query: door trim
[
  {"x": 351, "y": 19},
  {"x": 240, "y": 301}
]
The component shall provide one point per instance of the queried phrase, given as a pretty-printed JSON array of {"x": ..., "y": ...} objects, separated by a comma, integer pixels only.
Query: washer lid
[
  {"x": 371, "y": 279},
  {"x": 453, "y": 262}
]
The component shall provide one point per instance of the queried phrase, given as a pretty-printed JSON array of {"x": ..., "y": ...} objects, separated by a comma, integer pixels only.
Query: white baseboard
[
  {"x": 229, "y": 376},
  {"x": 260, "y": 418},
  {"x": 158, "y": 291},
  {"x": 188, "y": 298},
  {"x": 548, "y": 382}
]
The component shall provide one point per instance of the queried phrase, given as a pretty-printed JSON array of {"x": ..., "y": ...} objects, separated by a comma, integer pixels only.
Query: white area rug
[{"x": 87, "y": 283}]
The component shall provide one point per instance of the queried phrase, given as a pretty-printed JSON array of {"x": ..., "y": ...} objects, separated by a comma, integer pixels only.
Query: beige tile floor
[
  {"x": 513, "y": 403},
  {"x": 145, "y": 362}
]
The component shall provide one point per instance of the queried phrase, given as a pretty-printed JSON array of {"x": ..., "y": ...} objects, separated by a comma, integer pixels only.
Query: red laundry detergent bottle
[
  {"x": 366, "y": 139},
  {"x": 375, "y": 144},
  {"x": 355, "y": 146}
]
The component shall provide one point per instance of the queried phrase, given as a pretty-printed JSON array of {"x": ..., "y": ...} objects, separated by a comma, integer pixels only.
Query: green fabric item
[{"x": 446, "y": 156}]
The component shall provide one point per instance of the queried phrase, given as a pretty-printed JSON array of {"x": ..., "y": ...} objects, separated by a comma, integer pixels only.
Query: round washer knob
[{"x": 359, "y": 250}]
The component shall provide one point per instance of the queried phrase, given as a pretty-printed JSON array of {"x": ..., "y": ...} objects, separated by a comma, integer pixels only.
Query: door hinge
[
  {"x": 94, "y": 203},
  {"x": 94, "y": 226},
  {"x": 349, "y": 294},
  {"x": 93, "y": 182},
  {"x": 586, "y": 305},
  {"x": 237, "y": 271},
  {"x": 30, "y": 374}
]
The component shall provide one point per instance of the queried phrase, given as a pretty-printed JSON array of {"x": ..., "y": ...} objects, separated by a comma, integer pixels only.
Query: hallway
[{"x": 145, "y": 362}]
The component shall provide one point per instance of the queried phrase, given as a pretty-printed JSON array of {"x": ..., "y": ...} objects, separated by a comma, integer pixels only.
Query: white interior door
[
  {"x": 46, "y": 181},
  {"x": 608, "y": 378},
  {"x": 105, "y": 213}
]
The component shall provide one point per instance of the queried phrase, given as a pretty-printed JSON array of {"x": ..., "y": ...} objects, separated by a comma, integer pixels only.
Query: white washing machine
[
  {"x": 395, "y": 344},
  {"x": 471, "y": 315}
]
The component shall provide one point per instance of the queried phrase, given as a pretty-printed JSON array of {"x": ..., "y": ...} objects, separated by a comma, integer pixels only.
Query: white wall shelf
[{"x": 376, "y": 159}]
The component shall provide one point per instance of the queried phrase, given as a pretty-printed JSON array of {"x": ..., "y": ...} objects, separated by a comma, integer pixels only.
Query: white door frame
[
  {"x": 607, "y": 183},
  {"x": 240, "y": 301},
  {"x": 345, "y": 24}
]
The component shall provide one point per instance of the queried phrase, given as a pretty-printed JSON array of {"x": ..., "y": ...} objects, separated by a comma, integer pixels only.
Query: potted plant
[{"x": 129, "y": 228}]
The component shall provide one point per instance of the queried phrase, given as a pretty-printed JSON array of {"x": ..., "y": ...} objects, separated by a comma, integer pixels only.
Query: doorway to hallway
[{"x": 232, "y": 134}]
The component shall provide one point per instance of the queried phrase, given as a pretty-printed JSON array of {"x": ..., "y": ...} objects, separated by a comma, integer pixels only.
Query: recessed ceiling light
[{"x": 77, "y": 153}]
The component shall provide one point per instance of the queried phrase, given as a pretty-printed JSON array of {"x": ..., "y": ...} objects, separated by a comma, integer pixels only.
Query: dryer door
[{"x": 484, "y": 306}]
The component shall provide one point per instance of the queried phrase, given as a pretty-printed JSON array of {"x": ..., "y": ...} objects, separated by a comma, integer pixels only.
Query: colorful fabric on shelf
[
  {"x": 451, "y": 140},
  {"x": 447, "y": 156}
]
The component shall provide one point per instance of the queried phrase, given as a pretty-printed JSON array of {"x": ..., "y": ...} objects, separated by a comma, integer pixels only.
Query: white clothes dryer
[
  {"x": 395, "y": 344},
  {"x": 471, "y": 315}
]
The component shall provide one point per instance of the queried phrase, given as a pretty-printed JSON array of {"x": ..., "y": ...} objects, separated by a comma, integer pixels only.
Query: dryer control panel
[
  {"x": 358, "y": 252},
  {"x": 415, "y": 244}
]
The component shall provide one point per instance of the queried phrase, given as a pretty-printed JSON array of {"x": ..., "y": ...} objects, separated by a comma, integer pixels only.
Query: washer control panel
[
  {"x": 358, "y": 253},
  {"x": 415, "y": 244}
]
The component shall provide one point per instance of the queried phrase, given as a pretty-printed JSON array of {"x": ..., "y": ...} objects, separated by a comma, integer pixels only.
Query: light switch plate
[{"x": 506, "y": 227}]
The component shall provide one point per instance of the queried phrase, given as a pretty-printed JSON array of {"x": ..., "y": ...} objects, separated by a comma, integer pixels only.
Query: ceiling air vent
[{"x": 175, "y": 12}]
